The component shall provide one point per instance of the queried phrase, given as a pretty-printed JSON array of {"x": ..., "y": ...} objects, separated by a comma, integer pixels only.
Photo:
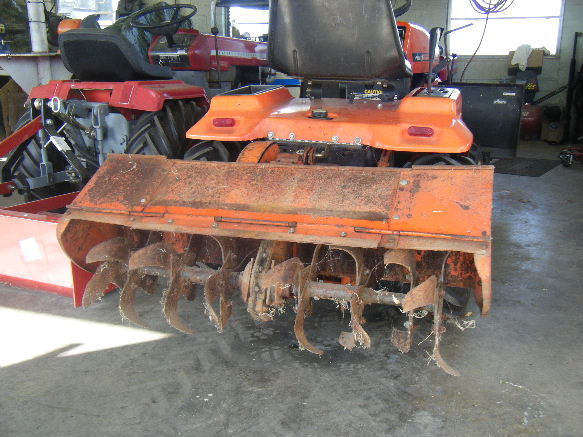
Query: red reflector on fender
[
  {"x": 420, "y": 131},
  {"x": 223, "y": 122}
]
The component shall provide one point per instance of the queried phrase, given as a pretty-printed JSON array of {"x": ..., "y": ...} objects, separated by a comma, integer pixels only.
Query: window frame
[{"x": 557, "y": 54}]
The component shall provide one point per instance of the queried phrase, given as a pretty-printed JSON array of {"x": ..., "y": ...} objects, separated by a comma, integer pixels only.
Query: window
[
  {"x": 533, "y": 22},
  {"x": 248, "y": 22},
  {"x": 83, "y": 8}
]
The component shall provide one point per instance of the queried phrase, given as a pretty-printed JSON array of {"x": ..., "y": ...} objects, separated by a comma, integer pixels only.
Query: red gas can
[{"x": 530, "y": 122}]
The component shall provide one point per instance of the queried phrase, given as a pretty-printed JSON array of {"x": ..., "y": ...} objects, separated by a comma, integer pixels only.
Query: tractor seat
[
  {"x": 106, "y": 55},
  {"x": 353, "y": 40}
]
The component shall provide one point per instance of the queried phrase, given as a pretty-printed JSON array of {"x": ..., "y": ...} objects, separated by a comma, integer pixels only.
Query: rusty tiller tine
[
  {"x": 135, "y": 280},
  {"x": 177, "y": 288},
  {"x": 113, "y": 255},
  {"x": 152, "y": 255},
  {"x": 358, "y": 336},
  {"x": 406, "y": 258},
  {"x": 437, "y": 322},
  {"x": 116, "y": 249},
  {"x": 356, "y": 305},
  {"x": 127, "y": 298},
  {"x": 109, "y": 272},
  {"x": 356, "y": 321},
  {"x": 305, "y": 276},
  {"x": 255, "y": 294},
  {"x": 303, "y": 303},
  {"x": 420, "y": 296},
  {"x": 217, "y": 286}
]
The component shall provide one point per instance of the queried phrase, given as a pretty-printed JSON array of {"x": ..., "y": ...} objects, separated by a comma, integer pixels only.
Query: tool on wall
[{"x": 574, "y": 105}]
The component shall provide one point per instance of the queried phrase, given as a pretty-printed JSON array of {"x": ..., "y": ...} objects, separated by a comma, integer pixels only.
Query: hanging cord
[
  {"x": 485, "y": 7},
  {"x": 490, "y": 7},
  {"x": 477, "y": 48}
]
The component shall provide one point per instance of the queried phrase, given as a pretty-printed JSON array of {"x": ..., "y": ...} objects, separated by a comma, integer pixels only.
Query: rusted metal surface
[
  {"x": 177, "y": 288},
  {"x": 256, "y": 302},
  {"x": 359, "y": 336},
  {"x": 420, "y": 296},
  {"x": 438, "y": 322},
  {"x": 127, "y": 298},
  {"x": 461, "y": 271},
  {"x": 483, "y": 289},
  {"x": 406, "y": 259},
  {"x": 107, "y": 273},
  {"x": 303, "y": 233},
  {"x": 353, "y": 206},
  {"x": 367, "y": 295},
  {"x": 259, "y": 151},
  {"x": 402, "y": 340},
  {"x": 302, "y": 310},
  {"x": 216, "y": 286},
  {"x": 113, "y": 255},
  {"x": 268, "y": 282}
]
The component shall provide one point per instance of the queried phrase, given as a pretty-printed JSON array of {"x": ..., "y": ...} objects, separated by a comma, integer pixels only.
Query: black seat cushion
[
  {"x": 106, "y": 55},
  {"x": 336, "y": 39},
  {"x": 117, "y": 53}
]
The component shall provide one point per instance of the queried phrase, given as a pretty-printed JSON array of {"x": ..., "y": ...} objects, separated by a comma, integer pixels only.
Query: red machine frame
[
  {"x": 233, "y": 52},
  {"x": 31, "y": 254},
  {"x": 135, "y": 95}
]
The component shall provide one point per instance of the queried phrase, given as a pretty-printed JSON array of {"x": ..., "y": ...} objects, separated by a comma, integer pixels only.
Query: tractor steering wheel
[
  {"x": 401, "y": 9},
  {"x": 165, "y": 27}
]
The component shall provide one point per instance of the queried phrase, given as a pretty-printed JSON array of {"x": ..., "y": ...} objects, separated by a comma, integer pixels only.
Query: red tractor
[
  {"x": 137, "y": 86},
  {"x": 140, "y": 84}
]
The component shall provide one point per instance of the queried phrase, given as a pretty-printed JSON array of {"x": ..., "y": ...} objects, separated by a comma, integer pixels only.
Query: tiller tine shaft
[{"x": 160, "y": 259}]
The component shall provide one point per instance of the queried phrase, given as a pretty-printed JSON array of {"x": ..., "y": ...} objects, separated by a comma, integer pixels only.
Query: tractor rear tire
[{"x": 164, "y": 132}]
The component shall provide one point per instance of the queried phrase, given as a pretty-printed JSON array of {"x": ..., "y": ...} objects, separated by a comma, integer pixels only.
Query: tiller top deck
[{"x": 362, "y": 200}]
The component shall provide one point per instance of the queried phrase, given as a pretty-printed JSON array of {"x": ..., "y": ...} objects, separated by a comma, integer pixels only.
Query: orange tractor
[{"x": 373, "y": 196}]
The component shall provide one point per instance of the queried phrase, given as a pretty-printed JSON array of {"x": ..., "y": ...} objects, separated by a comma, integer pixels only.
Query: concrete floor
[{"x": 71, "y": 372}]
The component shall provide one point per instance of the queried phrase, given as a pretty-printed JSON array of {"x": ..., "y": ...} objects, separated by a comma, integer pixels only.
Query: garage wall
[{"x": 431, "y": 13}]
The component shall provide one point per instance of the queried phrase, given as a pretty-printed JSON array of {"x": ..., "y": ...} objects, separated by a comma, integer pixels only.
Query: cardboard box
[{"x": 535, "y": 61}]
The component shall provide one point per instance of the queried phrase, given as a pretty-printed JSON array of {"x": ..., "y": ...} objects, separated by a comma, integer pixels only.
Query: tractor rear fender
[
  {"x": 417, "y": 123},
  {"x": 134, "y": 95}
]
